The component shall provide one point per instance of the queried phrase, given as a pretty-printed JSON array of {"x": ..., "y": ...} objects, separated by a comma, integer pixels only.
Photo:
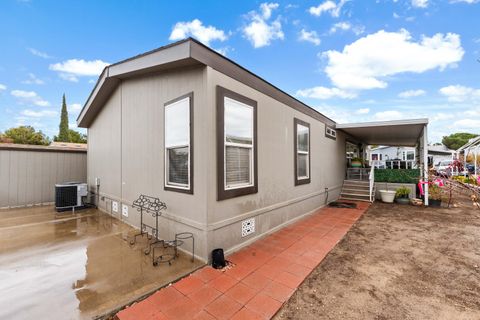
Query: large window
[
  {"x": 236, "y": 139},
  {"x": 179, "y": 144},
  {"x": 302, "y": 152}
]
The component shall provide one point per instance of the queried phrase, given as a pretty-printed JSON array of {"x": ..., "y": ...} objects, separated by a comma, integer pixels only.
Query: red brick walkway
[{"x": 265, "y": 274}]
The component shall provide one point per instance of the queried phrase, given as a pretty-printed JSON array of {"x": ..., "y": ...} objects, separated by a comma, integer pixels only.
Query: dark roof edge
[
  {"x": 222, "y": 64},
  {"x": 300, "y": 105}
]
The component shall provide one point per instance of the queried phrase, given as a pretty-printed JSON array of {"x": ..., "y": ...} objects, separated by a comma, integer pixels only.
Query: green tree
[
  {"x": 77, "y": 137},
  {"x": 63, "y": 132},
  {"x": 26, "y": 135},
  {"x": 456, "y": 140}
]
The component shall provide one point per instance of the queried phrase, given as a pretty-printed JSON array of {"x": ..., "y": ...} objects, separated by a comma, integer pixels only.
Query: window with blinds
[
  {"x": 302, "y": 152},
  {"x": 177, "y": 144},
  {"x": 239, "y": 146}
]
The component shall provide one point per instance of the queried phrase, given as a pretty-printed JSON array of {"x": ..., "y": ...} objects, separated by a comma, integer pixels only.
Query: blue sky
[{"x": 352, "y": 60}]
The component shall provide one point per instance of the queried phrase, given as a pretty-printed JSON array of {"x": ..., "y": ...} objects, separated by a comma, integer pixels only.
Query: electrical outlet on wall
[
  {"x": 248, "y": 227},
  {"x": 114, "y": 206},
  {"x": 124, "y": 210}
]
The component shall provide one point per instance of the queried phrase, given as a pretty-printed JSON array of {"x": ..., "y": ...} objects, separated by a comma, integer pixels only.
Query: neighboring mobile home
[{"x": 231, "y": 155}]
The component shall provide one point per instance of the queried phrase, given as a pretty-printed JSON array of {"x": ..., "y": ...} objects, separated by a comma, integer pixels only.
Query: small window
[
  {"x": 302, "y": 152},
  {"x": 236, "y": 144},
  {"x": 178, "y": 144},
  {"x": 410, "y": 155},
  {"x": 374, "y": 157},
  {"x": 330, "y": 133}
]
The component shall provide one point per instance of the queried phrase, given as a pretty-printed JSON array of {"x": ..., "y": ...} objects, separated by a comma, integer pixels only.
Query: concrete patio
[{"x": 70, "y": 266}]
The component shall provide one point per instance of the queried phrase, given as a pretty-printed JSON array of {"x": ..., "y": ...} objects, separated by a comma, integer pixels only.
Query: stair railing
[{"x": 371, "y": 179}]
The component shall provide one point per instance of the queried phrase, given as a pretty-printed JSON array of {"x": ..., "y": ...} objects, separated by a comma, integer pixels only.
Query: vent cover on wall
[{"x": 248, "y": 227}]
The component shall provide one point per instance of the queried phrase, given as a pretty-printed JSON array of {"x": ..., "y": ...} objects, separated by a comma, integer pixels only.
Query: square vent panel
[{"x": 248, "y": 227}]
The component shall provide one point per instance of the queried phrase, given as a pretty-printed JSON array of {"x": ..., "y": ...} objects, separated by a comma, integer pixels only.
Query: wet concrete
[{"x": 73, "y": 266}]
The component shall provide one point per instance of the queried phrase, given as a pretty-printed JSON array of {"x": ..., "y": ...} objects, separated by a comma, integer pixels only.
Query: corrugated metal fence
[{"x": 28, "y": 173}]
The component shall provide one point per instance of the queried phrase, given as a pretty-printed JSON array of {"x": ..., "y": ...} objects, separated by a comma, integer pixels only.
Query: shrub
[
  {"x": 402, "y": 192},
  {"x": 434, "y": 192},
  {"x": 397, "y": 175}
]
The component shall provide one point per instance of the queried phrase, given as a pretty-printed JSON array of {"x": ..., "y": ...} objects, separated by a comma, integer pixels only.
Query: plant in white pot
[{"x": 386, "y": 195}]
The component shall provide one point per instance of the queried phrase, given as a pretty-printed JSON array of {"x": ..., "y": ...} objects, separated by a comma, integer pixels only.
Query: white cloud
[
  {"x": 72, "y": 69},
  {"x": 389, "y": 115},
  {"x": 458, "y": 93},
  {"x": 266, "y": 9},
  {"x": 32, "y": 79},
  {"x": 74, "y": 107},
  {"x": 38, "y": 53},
  {"x": 344, "y": 26},
  {"x": 366, "y": 63},
  {"x": 411, "y": 93},
  {"x": 324, "y": 93},
  {"x": 224, "y": 50},
  {"x": 328, "y": 6},
  {"x": 30, "y": 97},
  {"x": 3, "y": 87},
  {"x": 309, "y": 36},
  {"x": 69, "y": 77},
  {"x": 38, "y": 114},
  {"x": 467, "y": 124},
  {"x": 259, "y": 31},
  {"x": 420, "y": 3},
  {"x": 464, "y": 1},
  {"x": 362, "y": 111},
  {"x": 442, "y": 116},
  {"x": 196, "y": 29}
]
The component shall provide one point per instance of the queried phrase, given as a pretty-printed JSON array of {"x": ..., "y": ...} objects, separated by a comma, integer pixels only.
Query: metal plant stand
[
  {"x": 170, "y": 247},
  {"x": 153, "y": 206}
]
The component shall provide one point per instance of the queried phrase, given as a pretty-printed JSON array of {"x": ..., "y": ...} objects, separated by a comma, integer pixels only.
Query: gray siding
[
  {"x": 28, "y": 177},
  {"x": 278, "y": 200},
  {"x": 127, "y": 151}
]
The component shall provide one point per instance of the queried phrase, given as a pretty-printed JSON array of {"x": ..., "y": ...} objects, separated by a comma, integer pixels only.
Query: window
[
  {"x": 330, "y": 133},
  {"x": 178, "y": 126},
  {"x": 410, "y": 155},
  {"x": 302, "y": 152},
  {"x": 374, "y": 157},
  {"x": 236, "y": 144}
]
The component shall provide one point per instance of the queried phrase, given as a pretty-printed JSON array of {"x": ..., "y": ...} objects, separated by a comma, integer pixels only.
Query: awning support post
[{"x": 425, "y": 163}]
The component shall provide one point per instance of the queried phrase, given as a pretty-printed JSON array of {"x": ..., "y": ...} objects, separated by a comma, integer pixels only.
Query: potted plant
[
  {"x": 356, "y": 162},
  {"x": 434, "y": 195},
  {"x": 402, "y": 195},
  {"x": 388, "y": 195}
]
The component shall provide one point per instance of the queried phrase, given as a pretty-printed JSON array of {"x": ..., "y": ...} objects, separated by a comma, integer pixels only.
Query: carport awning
[{"x": 389, "y": 133}]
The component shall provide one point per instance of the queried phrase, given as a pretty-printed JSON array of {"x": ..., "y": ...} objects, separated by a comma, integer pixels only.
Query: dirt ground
[{"x": 398, "y": 262}]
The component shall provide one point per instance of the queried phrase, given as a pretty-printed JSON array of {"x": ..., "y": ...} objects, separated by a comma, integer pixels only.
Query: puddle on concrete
[{"x": 73, "y": 266}]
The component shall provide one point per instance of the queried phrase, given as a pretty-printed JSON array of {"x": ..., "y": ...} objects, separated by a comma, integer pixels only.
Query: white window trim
[
  {"x": 239, "y": 145},
  {"x": 167, "y": 163},
  {"x": 304, "y": 152}
]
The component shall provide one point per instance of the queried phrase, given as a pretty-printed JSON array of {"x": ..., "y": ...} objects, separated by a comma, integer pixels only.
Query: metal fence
[{"x": 28, "y": 173}]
